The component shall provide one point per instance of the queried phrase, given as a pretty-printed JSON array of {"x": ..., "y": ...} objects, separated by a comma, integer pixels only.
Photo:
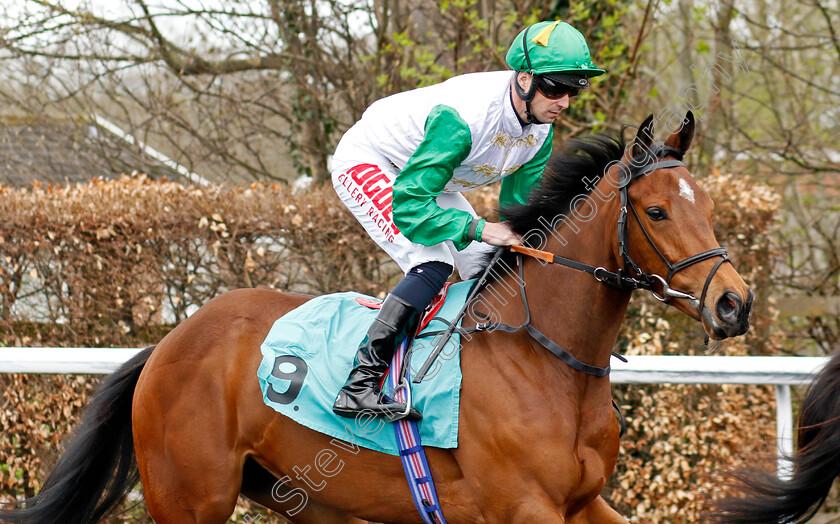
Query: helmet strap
[
  {"x": 531, "y": 118},
  {"x": 526, "y": 96}
]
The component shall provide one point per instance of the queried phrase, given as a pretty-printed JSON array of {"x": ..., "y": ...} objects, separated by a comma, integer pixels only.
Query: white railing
[
  {"x": 781, "y": 372},
  {"x": 64, "y": 360}
]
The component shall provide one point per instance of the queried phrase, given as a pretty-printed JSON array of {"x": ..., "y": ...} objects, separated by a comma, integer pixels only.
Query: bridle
[
  {"x": 627, "y": 278},
  {"x": 631, "y": 276}
]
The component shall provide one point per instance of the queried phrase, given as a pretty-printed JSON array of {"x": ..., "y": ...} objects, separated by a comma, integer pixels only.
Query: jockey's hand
[{"x": 499, "y": 234}]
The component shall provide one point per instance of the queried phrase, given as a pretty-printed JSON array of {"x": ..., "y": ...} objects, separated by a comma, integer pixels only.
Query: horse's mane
[{"x": 563, "y": 181}]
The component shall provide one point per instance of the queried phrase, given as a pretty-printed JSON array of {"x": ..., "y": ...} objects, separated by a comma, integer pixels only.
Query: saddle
[{"x": 308, "y": 353}]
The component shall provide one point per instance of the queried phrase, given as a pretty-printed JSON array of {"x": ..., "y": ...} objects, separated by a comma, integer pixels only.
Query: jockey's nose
[{"x": 565, "y": 101}]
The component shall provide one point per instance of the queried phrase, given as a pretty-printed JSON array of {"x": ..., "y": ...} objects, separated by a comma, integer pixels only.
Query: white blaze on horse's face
[{"x": 685, "y": 190}]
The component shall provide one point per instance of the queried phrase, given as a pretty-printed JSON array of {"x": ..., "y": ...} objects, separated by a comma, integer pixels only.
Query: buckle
[
  {"x": 483, "y": 326},
  {"x": 595, "y": 274},
  {"x": 667, "y": 292}
]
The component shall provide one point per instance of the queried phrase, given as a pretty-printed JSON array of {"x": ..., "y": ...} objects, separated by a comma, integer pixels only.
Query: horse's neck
[{"x": 569, "y": 306}]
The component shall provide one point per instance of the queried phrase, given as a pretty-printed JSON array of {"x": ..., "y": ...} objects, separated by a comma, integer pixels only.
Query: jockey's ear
[
  {"x": 681, "y": 140},
  {"x": 644, "y": 138}
]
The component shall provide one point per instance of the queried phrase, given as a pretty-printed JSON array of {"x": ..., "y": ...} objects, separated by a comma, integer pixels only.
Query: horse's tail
[
  {"x": 98, "y": 467},
  {"x": 764, "y": 497}
]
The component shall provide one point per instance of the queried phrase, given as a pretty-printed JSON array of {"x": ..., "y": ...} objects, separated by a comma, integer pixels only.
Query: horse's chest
[{"x": 586, "y": 447}]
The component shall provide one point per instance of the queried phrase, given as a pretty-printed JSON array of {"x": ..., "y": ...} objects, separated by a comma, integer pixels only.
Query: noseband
[{"x": 631, "y": 276}]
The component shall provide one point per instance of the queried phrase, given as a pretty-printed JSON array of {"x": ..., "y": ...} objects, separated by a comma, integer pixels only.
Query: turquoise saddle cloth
[{"x": 309, "y": 352}]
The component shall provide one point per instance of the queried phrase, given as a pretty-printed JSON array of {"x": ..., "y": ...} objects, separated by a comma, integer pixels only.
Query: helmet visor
[{"x": 569, "y": 79}]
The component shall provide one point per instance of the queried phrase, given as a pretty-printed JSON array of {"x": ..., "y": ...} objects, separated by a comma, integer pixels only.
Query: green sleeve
[
  {"x": 446, "y": 144},
  {"x": 517, "y": 187}
]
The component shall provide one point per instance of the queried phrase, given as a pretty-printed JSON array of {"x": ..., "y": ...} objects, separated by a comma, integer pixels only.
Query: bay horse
[
  {"x": 765, "y": 498},
  {"x": 537, "y": 439}
]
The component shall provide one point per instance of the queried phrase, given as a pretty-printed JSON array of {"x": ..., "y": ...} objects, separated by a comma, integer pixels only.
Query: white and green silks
[{"x": 447, "y": 138}]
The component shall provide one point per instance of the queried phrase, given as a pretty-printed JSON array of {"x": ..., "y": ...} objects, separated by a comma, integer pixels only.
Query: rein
[{"x": 619, "y": 280}]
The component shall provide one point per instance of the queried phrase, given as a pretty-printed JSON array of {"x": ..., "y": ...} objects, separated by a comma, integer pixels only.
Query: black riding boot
[{"x": 361, "y": 391}]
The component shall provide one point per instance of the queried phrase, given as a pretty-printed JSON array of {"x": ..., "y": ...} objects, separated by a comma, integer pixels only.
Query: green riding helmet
[
  {"x": 549, "y": 48},
  {"x": 552, "y": 50}
]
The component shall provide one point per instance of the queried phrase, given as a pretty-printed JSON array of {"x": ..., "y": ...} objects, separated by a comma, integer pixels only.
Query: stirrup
[
  {"x": 404, "y": 385},
  {"x": 410, "y": 412},
  {"x": 391, "y": 411}
]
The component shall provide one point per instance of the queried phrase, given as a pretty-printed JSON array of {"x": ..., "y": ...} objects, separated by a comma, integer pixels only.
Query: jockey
[{"x": 401, "y": 170}]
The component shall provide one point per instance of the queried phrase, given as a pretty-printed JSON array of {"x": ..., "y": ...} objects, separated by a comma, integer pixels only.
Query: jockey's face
[
  {"x": 547, "y": 109},
  {"x": 543, "y": 108}
]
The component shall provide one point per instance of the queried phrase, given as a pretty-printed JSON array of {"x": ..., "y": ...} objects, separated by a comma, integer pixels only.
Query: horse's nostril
[{"x": 729, "y": 307}]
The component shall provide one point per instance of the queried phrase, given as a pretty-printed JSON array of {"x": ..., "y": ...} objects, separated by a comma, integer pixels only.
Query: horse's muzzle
[{"x": 732, "y": 315}]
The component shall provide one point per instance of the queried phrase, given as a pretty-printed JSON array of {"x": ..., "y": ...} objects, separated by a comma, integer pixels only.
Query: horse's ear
[
  {"x": 644, "y": 138},
  {"x": 681, "y": 140}
]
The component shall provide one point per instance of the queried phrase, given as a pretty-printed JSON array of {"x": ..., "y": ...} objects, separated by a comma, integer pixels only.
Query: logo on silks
[{"x": 372, "y": 190}]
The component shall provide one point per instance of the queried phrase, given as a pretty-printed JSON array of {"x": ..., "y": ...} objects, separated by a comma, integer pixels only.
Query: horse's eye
[{"x": 656, "y": 214}]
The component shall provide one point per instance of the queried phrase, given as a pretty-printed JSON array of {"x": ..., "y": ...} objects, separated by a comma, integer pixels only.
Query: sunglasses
[{"x": 555, "y": 90}]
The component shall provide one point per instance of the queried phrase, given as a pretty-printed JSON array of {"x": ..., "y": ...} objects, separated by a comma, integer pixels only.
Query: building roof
[{"x": 62, "y": 151}]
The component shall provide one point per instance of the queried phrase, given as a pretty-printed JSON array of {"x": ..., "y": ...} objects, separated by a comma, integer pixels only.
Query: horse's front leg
[
  {"x": 597, "y": 512},
  {"x": 530, "y": 510},
  {"x": 546, "y": 512}
]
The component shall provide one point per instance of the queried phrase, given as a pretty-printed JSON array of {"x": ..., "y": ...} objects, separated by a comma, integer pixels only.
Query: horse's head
[{"x": 668, "y": 236}]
